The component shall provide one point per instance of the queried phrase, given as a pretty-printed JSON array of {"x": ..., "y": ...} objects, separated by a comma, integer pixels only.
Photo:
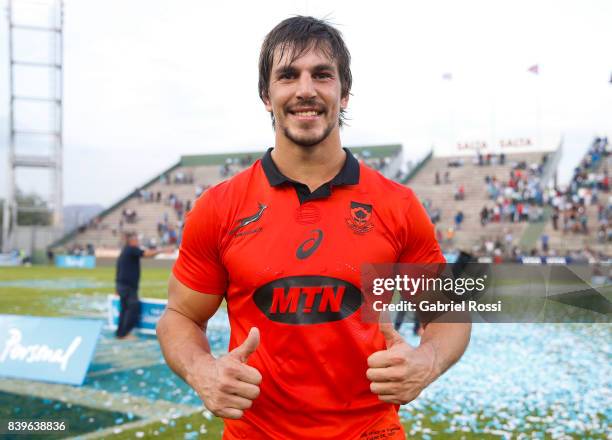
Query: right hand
[{"x": 227, "y": 385}]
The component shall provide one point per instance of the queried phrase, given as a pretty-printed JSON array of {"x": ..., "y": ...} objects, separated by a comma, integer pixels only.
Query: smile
[{"x": 306, "y": 114}]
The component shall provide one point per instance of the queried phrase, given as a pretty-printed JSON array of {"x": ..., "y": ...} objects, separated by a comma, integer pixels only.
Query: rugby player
[{"x": 283, "y": 242}]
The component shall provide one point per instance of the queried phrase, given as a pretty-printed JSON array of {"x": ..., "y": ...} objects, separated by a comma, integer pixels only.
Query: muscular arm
[
  {"x": 399, "y": 373},
  {"x": 446, "y": 341},
  {"x": 226, "y": 385},
  {"x": 182, "y": 328}
]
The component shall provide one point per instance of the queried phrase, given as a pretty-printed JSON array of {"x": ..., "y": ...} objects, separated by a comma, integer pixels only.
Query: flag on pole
[
  {"x": 447, "y": 76},
  {"x": 535, "y": 69}
]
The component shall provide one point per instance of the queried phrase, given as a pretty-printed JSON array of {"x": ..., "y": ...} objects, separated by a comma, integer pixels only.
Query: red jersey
[{"x": 288, "y": 262}]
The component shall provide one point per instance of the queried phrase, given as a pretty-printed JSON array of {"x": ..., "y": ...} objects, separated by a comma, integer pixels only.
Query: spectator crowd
[
  {"x": 517, "y": 198},
  {"x": 589, "y": 187},
  {"x": 166, "y": 192}
]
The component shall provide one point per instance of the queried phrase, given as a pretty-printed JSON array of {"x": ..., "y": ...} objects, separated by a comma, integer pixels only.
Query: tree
[{"x": 35, "y": 210}]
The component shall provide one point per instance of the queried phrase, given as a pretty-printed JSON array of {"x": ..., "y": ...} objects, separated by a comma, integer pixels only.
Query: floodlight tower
[{"x": 34, "y": 27}]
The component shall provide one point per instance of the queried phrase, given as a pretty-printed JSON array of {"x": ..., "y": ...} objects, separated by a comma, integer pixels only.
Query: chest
[{"x": 331, "y": 237}]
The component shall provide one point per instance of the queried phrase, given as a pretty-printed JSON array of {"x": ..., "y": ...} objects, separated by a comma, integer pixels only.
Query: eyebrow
[
  {"x": 290, "y": 69},
  {"x": 321, "y": 67}
]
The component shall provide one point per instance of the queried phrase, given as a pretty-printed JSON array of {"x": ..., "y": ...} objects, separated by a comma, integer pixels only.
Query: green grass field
[
  {"x": 35, "y": 300},
  {"x": 46, "y": 291}
]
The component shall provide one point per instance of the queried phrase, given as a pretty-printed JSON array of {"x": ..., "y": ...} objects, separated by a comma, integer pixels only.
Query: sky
[{"x": 147, "y": 81}]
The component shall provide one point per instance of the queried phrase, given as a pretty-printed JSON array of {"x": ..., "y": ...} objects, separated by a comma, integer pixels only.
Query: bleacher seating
[
  {"x": 105, "y": 232},
  {"x": 585, "y": 182},
  {"x": 472, "y": 177}
]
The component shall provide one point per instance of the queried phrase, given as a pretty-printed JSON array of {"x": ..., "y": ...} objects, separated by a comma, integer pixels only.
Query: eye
[
  {"x": 286, "y": 75},
  {"x": 323, "y": 75}
]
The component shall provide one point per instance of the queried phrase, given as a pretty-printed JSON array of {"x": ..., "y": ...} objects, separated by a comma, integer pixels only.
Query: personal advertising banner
[
  {"x": 11, "y": 259},
  {"x": 47, "y": 349}
]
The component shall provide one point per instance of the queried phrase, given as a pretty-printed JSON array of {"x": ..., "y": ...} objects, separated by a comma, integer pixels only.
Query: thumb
[
  {"x": 392, "y": 337},
  {"x": 248, "y": 347}
]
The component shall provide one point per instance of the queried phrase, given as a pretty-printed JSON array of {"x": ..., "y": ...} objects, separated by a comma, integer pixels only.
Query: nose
[{"x": 305, "y": 87}]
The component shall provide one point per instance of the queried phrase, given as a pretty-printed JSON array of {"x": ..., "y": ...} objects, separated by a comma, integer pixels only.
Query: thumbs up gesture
[
  {"x": 227, "y": 385},
  {"x": 399, "y": 373}
]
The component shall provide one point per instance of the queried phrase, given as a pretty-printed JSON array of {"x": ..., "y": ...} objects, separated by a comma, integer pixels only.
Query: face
[{"x": 305, "y": 97}]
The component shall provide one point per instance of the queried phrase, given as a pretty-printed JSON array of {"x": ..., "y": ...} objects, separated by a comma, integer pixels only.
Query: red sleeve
[
  {"x": 199, "y": 264},
  {"x": 420, "y": 245}
]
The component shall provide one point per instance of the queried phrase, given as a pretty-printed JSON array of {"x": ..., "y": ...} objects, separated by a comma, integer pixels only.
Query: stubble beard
[{"x": 308, "y": 140}]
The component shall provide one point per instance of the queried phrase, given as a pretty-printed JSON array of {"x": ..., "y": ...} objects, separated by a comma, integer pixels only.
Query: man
[
  {"x": 127, "y": 279},
  {"x": 283, "y": 242}
]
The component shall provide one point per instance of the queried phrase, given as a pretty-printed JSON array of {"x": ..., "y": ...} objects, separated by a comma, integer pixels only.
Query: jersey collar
[{"x": 348, "y": 175}]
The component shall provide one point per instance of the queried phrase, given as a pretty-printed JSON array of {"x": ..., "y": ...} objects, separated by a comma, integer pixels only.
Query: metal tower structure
[{"x": 35, "y": 43}]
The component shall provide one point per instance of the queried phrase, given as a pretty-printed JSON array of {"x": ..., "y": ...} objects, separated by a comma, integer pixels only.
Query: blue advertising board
[
  {"x": 79, "y": 261},
  {"x": 150, "y": 311},
  {"x": 544, "y": 260},
  {"x": 11, "y": 259},
  {"x": 47, "y": 349},
  {"x": 556, "y": 260}
]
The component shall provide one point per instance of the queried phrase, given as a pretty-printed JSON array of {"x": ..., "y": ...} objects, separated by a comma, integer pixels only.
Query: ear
[
  {"x": 344, "y": 101},
  {"x": 267, "y": 103}
]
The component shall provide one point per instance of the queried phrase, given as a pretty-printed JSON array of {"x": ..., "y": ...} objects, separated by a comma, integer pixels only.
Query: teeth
[{"x": 310, "y": 113}]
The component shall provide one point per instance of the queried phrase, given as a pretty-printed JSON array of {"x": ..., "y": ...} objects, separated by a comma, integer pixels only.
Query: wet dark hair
[{"x": 296, "y": 35}]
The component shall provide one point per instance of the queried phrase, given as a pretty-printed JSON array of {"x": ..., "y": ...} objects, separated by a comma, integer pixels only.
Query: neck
[{"x": 314, "y": 165}]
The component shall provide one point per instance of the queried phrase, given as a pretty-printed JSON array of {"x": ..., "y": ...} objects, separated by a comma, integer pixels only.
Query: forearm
[
  {"x": 447, "y": 341},
  {"x": 183, "y": 343},
  {"x": 151, "y": 253}
]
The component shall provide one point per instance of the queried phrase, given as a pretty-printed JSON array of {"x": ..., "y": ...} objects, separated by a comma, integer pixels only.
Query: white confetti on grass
[{"x": 523, "y": 377}]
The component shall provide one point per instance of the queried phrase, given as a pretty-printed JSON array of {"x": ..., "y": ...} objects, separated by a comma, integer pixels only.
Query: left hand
[{"x": 399, "y": 373}]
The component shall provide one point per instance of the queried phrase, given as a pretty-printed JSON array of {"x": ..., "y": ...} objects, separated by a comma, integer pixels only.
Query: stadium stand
[
  {"x": 156, "y": 209},
  {"x": 581, "y": 213},
  {"x": 456, "y": 191},
  {"x": 495, "y": 205}
]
